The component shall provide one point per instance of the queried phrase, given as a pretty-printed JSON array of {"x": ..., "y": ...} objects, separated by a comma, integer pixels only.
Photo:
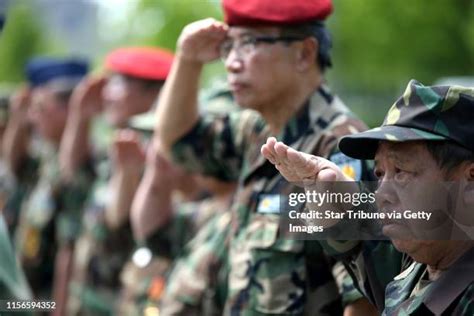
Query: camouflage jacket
[
  {"x": 100, "y": 254},
  {"x": 268, "y": 273},
  {"x": 371, "y": 264},
  {"x": 145, "y": 275},
  {"x": 198, "y": 282},
  {"x": 49, "y": 214},
  {"x": 13, "y": 283},
  {"x": 452, "y": 294}
]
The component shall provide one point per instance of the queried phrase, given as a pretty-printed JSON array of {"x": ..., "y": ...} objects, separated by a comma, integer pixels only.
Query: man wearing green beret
[{"x": 424, "y": 146}]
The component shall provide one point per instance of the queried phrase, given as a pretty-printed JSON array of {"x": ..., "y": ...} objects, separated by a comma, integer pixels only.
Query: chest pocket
[{"x": 268, "y": 270}]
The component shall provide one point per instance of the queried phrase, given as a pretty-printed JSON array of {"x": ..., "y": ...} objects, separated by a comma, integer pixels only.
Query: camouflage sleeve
[
  {"x": 71, "y": 198},
  {"x": 465, "y": 306},
  {"x": 13, "y": 283},
  {"x": 187, "y": 221},
  {"x": 215, "y": 146},
  {"x": 347, "y": 288},
  {"x": 21, "y": 184},
  {"x": 198, "y": 280}
]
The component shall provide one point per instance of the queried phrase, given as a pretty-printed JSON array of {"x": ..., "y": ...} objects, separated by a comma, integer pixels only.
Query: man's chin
[
  {"x": 241, "y": 100},
  {"x": 397, "y": 232}
]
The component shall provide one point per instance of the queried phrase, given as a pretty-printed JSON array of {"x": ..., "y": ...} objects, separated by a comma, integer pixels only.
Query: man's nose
[
  {"x": 233, "y": 62},
  {"x": 386, "y": 195}
]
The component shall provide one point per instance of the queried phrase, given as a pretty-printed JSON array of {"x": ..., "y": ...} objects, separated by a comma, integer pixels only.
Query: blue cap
[{"x": 46, "y": 70}]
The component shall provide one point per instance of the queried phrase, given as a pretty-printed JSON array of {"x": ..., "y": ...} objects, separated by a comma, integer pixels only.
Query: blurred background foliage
[{"x": 379, "y": 45}]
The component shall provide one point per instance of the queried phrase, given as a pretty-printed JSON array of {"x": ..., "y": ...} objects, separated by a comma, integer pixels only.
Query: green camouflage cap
[{"x": 421, "y": 113}]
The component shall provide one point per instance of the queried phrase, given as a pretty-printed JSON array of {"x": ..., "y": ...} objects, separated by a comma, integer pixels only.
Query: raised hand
[
  {"x": 127, "y": 152},
  {"x": 86, "y": 100},
  {"x": 200, "y": 41},
  {"x": 296, "y": 166},
  {"x": 20, "y": 101}
]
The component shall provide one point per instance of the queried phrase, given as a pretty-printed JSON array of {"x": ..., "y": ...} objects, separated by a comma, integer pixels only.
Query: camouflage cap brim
[{"x": 364, "y": 145}]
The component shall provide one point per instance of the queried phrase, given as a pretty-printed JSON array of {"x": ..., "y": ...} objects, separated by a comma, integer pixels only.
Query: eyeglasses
[{"x": 248, "y": 44}]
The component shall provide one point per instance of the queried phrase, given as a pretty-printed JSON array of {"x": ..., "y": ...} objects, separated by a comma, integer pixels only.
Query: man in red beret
[
  {"x": 133, "y": 82},
  {"x": 275, "y": 54}
]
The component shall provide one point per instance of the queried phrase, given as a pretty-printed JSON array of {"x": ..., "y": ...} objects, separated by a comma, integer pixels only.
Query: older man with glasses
[{"x": 275, "y": 54}]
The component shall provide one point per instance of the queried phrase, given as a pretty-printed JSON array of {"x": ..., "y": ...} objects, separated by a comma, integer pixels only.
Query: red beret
[
  {"x": 278, "y": 12},
  {"x": 142, "y": 62}
]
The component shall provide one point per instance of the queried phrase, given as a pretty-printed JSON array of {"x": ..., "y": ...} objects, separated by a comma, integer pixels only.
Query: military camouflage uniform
[
  {"x": 198, "y": 281},
  {"x": 421, "y": 113},
  {"x": 198, "y": 293},
  {"x": 411, "y": 293},
  {"x": 13, "y": 283},
  {"x": 371, "y": 264},
  {"x": 49, "y": 216},
  {"x": 269, "y": 274},
  {"x": 100, "y": 254},
  {"x": 143, "y": 280}
]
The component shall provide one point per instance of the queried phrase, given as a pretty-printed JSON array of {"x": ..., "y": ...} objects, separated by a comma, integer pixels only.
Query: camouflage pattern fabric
[
  {"x": 100, "y": 254},
  {"x": 422, "y": 113},
  {"x": 451, "y": 294},
  {"x": 49, "y": 217},
  {"x": 144, "y": 276},
  {"x": 197, "y": 284},
  {"x": 268, "y": 273},
  {"x": 13, "y": 283},
  {"x": 371, "y": 264},
  {"x": 21, "y": 185}
]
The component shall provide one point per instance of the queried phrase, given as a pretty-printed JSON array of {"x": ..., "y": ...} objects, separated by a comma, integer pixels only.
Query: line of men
[{"x": 130, "y": 232}]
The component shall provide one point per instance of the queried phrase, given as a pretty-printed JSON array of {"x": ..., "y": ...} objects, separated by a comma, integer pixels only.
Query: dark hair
[
  {"x": 317, "y": 30},
  {"x": 449, "y": 155},
  {"x": 64, "y": 96},
  {"x": 146, "y": 83}
]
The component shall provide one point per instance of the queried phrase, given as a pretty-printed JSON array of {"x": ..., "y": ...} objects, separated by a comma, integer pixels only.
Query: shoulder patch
[
  {"x": 268, "y": 204},
  {"x": 350, "y": 166}
]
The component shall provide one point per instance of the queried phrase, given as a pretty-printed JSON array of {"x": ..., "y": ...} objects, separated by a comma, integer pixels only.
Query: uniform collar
[
  {"x": 302, "y": 124},
  {"x": 451, "y": 284}
]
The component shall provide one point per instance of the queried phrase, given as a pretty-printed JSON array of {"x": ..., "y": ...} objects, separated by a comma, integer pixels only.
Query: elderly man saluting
[{"x": 426, "y": 138}]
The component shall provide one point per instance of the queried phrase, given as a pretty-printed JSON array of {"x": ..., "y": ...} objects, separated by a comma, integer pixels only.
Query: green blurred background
[{"x": 378, "y": 45}]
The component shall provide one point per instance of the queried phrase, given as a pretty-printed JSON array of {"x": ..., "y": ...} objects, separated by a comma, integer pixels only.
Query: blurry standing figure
[
  {"x": 136, "y": 75},
  {"x": 170, "y": 232},
  {"x": 6, "y": 180},
  {"x": 13, "y": 283},
  {"x": 48, "y": 207}
]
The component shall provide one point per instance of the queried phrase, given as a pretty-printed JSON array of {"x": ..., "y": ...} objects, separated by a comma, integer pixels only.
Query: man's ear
[
  {"x": 307, "y": 54},
  {"x": 468, "y": 189},
  {"x": 469, "y": 172}
]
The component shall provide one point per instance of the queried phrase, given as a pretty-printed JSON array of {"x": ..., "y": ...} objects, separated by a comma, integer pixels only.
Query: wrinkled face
[
  {"x": 48, "y": 113},
  {"x": 410, "y": 179},
  {"x": 126, "y": 96},
  {"x": 258, "y": 77}
]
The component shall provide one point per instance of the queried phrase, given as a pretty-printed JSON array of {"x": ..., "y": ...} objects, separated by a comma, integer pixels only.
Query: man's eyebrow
[
  {"x": 244, "y": 33},
  {"x": 400, "y": 157}
]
